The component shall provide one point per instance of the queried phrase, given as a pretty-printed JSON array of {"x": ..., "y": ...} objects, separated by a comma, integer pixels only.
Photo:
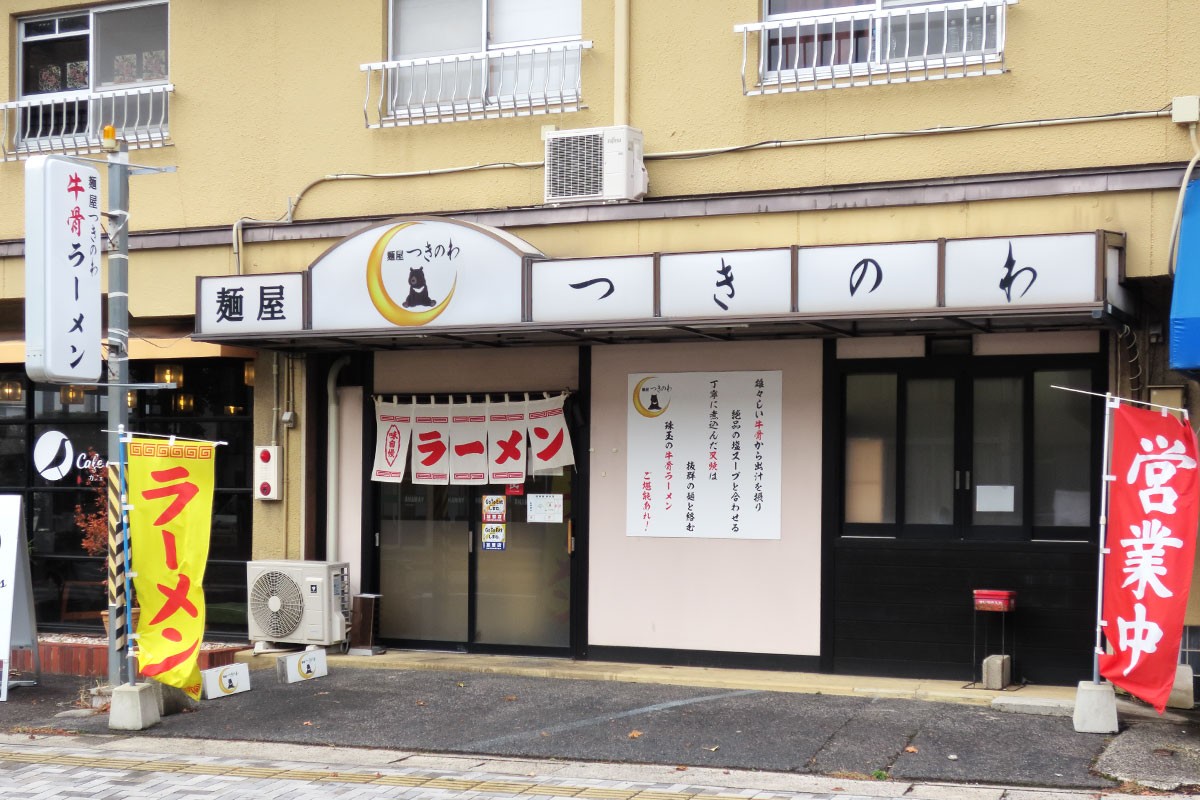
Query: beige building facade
[{"x": 907, "y": 220}]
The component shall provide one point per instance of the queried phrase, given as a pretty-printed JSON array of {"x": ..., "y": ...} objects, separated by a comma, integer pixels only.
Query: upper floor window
[
  {"x": 448, "y": 27},
  {"x": 825, "y": 44},
  {"x": 469, "y": 59},
  {"x": 83, "y": 69}
]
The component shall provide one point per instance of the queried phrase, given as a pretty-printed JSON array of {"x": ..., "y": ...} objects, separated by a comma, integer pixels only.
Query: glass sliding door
[
  {"x": 995, "y": 483},
  {"x": 523, "y": 592},
  {"x": 424, "y": 564},
  {"x": 929, "y": 488},
  {"x": 441, "y": 584}
]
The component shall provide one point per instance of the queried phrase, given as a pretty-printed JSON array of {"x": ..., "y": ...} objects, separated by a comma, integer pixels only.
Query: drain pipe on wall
[
  {"x": 621, "y": 63},
  {"x": 333, "y": 443}
]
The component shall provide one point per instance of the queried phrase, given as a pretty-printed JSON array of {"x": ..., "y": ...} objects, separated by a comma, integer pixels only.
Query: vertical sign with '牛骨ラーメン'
[
  {"x": 704, "y": 455},
  {"x": 1150, "y": 550},
  {"x": 62, "y": 270}
]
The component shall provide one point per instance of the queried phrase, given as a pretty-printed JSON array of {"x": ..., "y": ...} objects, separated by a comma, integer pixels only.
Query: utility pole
[{"x": 118, "y": 408}]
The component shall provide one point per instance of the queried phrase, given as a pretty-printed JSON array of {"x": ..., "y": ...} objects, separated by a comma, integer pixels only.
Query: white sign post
[
  {"x": 18, "y": 628},
  {"x": 62, "y": 270}
]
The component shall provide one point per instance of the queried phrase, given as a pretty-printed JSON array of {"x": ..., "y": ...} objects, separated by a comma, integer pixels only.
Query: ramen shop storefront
[{"x": 707, "y": 400}]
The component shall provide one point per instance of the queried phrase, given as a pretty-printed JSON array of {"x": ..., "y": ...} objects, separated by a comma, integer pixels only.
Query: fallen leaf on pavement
[
  {"x": 460, "y": 685},
  {"x": 307, "y": 723},
  {"x": 714, "y": 748},
  {"x": 635, "y": 734},
  {"x": 512, "y": 698},
  {"x": 911, "y": 749},
  {"x": 681, "y": 768},
  {"x": 420, "y": 702}
]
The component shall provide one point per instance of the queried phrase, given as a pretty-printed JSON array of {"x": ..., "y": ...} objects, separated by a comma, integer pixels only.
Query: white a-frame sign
[{"x": 18, "y": 628}]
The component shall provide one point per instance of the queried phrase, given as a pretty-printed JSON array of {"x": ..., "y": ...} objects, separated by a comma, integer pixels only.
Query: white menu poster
[{"x": 704, "y": 455}]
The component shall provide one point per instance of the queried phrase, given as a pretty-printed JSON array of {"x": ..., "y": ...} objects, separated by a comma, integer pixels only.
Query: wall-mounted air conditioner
[
  {"x": 595, "y": 165},
  {"x": 305, "y": 602}
]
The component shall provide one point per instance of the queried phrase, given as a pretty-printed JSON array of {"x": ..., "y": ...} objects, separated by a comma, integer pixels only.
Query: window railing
[
  {"x": 72, "y": 123},
  {"x": 509, "y": 82},
  {"x": 933, "y": 41}
]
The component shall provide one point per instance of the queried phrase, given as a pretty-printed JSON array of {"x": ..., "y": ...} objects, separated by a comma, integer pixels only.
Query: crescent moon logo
[
  {"x": 304, "y": 667},
  {"x": 227, "y": 686},
  {"x": 637, "y": 401},
  {"x": 383, "y": 301}
]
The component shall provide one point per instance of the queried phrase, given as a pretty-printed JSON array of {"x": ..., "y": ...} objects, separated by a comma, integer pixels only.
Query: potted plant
[{"x": 91, "y": 517}]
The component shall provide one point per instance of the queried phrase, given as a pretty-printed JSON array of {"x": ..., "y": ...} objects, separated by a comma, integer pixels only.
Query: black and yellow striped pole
[{"x": 117, "y": 605}]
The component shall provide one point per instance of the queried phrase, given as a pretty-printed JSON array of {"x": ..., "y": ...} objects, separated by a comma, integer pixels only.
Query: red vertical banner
[
  {"x": 1151, "y": 545},
  {"x": 431, "y": 445}
]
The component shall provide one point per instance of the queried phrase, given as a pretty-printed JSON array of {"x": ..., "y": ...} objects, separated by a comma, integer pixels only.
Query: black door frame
[
  {"x": 577, "y": 410},
  {"x": 833, "y": 477}
]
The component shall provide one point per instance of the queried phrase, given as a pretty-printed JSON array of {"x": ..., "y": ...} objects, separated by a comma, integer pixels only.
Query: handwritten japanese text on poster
[{"x": 704, "y": 455}]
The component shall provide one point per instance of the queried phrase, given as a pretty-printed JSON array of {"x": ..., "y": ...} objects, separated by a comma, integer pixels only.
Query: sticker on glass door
[{"x": 494, "y": 535}]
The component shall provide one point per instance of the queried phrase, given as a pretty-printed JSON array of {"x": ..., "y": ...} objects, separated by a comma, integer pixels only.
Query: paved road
[
  {"x": 39, "y": 771},
  {"x": 622, "y": 723}
]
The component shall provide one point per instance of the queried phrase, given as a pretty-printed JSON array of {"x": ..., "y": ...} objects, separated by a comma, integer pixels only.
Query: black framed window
[
  {"x": 981, "y": 449},
  {"x": 51, "y": 435}
]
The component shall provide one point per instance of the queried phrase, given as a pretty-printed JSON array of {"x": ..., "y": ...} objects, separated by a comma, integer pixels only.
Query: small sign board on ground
[
  {"x": 299, "y": 667},
  {"x": 224, "y": 681}
]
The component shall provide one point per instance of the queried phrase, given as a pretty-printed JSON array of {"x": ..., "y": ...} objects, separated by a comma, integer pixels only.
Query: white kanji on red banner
[
  {"x": 549, "y": 440},
  {"x": 431, "y": 445},
  {"x": 1151, "y": 550},
  {"x": 506, "y": 442},
  {"x": 468, "y": 444},
  {"x": 393, "y": 425}
]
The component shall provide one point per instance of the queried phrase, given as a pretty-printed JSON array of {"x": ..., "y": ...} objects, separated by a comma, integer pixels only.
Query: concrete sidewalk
[
  {"x": 717, "y": 678},
  {"x": 805, "y": 732}
]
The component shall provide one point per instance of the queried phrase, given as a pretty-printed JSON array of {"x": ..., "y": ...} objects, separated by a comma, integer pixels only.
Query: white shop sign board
[
  {"x": 593, "y": 289},
  {"x": 704, "y": 454},
  {"x": 867, "y": 277},
  {"x": 419, "y": 273},
  {"x": 300, "y": 667},
  {"x": 409, "y": 274},
  {"x": 219, "y": 682},
  {"x": 63, "y": 251},
  {"x": 18, "y": 627},
  {"x": 250, "y": 303},
  {"x": 1021, "y": 271},
  {"x": 733, "y": 283}
]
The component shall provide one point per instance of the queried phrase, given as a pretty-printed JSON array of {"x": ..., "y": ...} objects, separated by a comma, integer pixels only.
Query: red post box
[{"x": 995, "y": 600}]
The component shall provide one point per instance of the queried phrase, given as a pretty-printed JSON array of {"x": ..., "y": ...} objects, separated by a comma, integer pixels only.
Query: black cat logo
[{"x": 418, "y": 290}]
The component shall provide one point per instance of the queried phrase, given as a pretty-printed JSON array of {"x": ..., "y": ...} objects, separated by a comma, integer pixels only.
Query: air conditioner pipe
[
  {"x": 621, "y": 63},
  {"x": 333, "y": 444}
]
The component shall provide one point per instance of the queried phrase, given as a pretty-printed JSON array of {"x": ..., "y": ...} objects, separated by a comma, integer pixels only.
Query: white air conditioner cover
[
  {"x": 305, "y": 602},
  {"x": 595, "y": 165}
]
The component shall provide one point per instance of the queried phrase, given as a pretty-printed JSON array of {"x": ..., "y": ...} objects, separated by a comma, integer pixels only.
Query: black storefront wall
[
  {"x": 905, "y": 608},
  {"x": 899, "y": 596},
  {"x": 52, "y": 437}
]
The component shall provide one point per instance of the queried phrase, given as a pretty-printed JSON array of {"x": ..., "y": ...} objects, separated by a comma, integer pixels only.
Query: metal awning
[
  {"x": 641, "y": 332},
  {"x": 1185, "y": 297}
]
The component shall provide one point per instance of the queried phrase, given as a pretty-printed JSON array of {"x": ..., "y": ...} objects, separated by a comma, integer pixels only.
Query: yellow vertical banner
[{"x": 170, "y": 486}]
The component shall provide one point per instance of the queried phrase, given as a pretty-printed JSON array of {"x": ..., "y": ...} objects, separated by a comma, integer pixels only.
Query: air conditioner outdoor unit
[
  {"x": 305, "y": 602},
  {"x": 595, "y": 165}
]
